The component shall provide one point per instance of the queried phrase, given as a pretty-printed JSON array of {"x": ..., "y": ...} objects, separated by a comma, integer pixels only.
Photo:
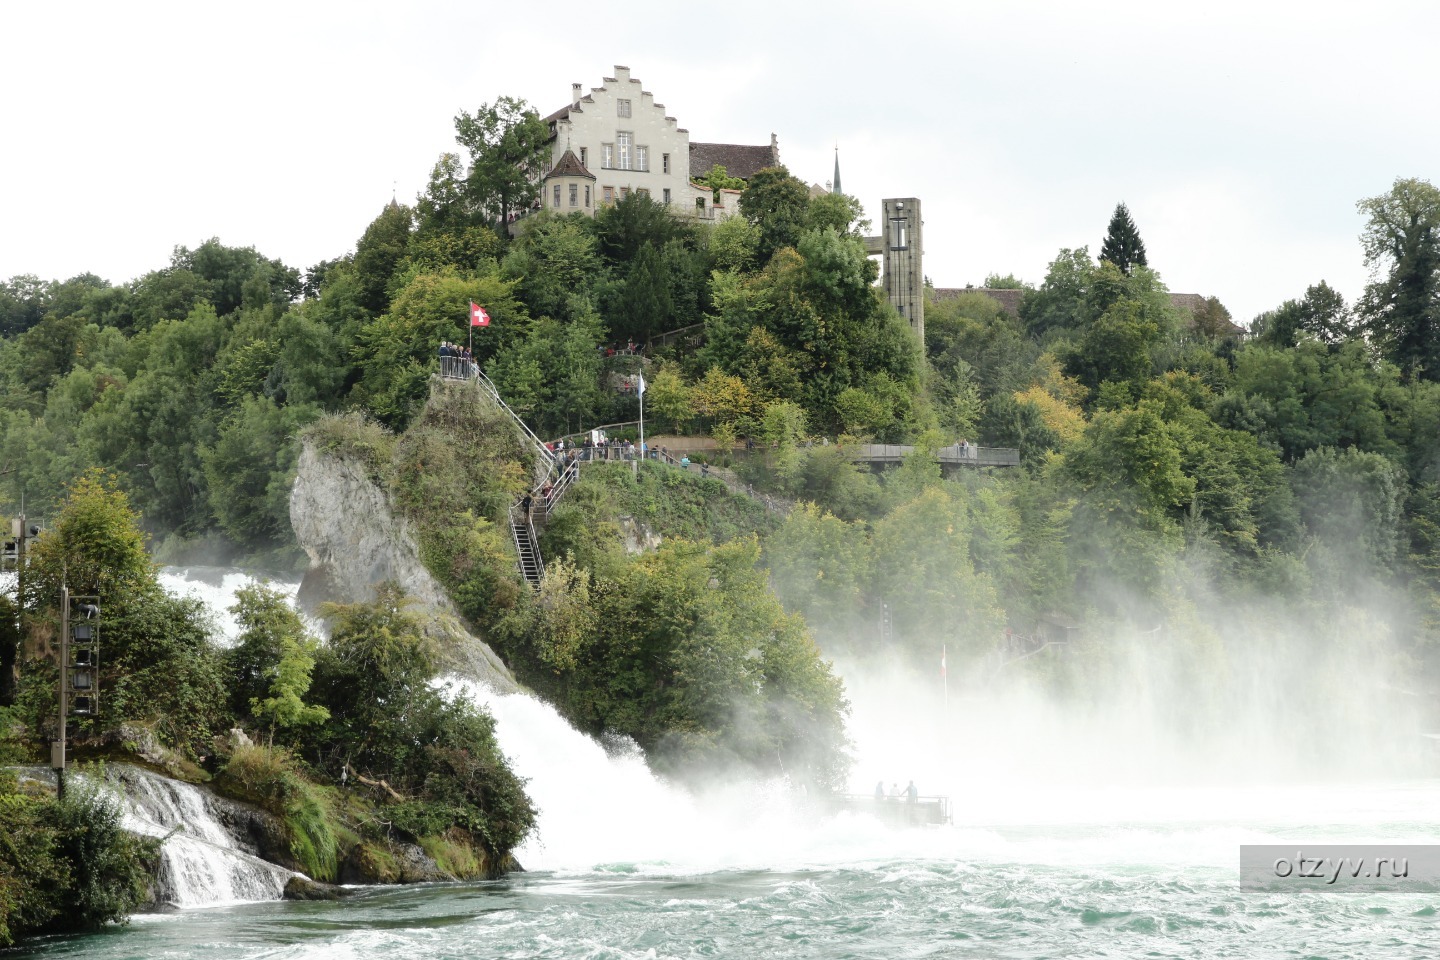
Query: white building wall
[{"x": 596, "y": 122}]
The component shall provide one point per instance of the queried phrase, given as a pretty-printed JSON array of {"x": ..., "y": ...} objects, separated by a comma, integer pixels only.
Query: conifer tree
[{"x": 1123, "y": 246}]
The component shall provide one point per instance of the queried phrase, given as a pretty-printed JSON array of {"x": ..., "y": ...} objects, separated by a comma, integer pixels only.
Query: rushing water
[{"x": 1034, "y": 866}]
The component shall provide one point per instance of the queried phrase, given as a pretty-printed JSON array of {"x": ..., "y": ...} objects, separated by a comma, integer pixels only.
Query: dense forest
[{"x": 1195, "y": 499}]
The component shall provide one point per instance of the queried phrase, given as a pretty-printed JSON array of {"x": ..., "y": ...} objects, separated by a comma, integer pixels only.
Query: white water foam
[
  {"x": 200, "y": 866},
  {"x": 216, "y": 588}
]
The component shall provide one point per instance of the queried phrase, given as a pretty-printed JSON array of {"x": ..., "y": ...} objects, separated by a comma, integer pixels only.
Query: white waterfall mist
[{"x": 1005, "y": 758}]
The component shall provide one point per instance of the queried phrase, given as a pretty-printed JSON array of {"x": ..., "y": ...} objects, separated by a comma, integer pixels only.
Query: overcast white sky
[{"x": 1240, "y": 134}]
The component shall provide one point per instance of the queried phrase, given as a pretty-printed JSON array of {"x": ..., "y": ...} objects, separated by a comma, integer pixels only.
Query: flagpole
[{"x": 642, "y": 420}]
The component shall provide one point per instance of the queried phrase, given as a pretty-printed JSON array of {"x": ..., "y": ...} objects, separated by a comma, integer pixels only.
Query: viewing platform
[{"x": 951, "y": 456}]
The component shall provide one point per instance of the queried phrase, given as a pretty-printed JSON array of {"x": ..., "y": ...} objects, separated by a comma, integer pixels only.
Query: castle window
[
  {"x": 700, "y": 206},
  {"x": 623, "y": 139},
  {"x": 587, "y": 196},
  {"x": 643, "y": 191},
  {"x": 642, "y": 158},
  {"x": 574, "y": 194},
  {"x": 624, "y": 192},
  {"x": 607, "y": 156},
  {"x": 557, "y": 194},
  {"x": 609, "y": 196},
  {"x": 584, "y": 160},
  {"x": 623, "y": 106},
  {"x": 667, "y": 196},
  {"x": 665, "y": 162}
]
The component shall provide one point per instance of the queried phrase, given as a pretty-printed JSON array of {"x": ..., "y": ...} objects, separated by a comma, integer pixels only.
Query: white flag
[{"x": 640, "y": 388}]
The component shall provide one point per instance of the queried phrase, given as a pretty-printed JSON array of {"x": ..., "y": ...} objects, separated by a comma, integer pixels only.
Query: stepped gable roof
[
  {"x": 739, "y": 160},
  {"x": 570, "y": 166}
]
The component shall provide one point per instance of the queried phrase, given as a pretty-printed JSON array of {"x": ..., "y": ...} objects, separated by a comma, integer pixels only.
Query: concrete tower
[{"x": 901, "y": 253}]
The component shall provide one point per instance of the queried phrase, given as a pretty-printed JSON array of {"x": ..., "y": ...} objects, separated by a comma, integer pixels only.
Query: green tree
[
  {"x": 554, "y": 265},
  {"x": 717, "y": 179},
  {"x": 1123, "y": 246},
  {"x": 509, "y": 147},
  {"x": 250, "y": 467},
  {"x": 379, "y": 252},
  {"x": 1353, "y": 501},
  {"x": 1401, "y": 240},
  {"x": 1321, "y": 314},
  {"x": 644, "y": 306},
  {"x": 776, "y": 203},
  {"x": 444, "y": 206}
]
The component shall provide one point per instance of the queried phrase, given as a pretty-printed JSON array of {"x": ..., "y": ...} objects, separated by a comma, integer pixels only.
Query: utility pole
[
  {"x": 79, "y": 670},
  {"x": 57, "y": 749}
]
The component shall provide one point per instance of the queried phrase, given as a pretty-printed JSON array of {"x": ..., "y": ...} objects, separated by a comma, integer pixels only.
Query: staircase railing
[
  {"x": 458, "y": 368},
  {"x": 527, "y": 545}
]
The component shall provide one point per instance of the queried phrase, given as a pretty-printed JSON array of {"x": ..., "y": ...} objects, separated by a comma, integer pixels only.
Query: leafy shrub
[{"x": 67, "y": 864}]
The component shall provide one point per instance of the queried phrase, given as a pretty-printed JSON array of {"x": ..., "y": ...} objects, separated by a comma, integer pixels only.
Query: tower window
[
  {"x": 899, "y": 233},
  {"x": 623, "y": 140},
  {"x": 574, "y": 194},
  {"x": 623, "y": 107}
]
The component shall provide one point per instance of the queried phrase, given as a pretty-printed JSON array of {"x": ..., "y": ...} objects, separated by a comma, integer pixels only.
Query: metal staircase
[{"x": 527, "y": 547}]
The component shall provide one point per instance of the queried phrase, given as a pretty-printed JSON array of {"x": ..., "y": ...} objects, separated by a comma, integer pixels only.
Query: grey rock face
[{"x": 355, "y": 542}]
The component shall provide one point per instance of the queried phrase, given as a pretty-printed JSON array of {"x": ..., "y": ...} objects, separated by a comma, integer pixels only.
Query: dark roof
[
  {"x": 739, "y": 160},
  {"x": 1008, "y": 299},
  {"x": 564, "y": 111},
  {"x": 570, "y": 166},
  {"x": 1193, "y": 303}
]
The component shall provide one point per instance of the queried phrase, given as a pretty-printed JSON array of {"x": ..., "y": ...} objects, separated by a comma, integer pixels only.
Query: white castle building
[{"x": 616, "y": 140}]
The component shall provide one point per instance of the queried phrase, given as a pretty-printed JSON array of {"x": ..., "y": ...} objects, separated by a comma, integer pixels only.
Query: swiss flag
[{"x": 478, "y": 316}]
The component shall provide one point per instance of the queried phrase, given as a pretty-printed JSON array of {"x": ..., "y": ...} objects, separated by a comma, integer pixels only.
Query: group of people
[
  {"x": 448, "y": 349},
  {"x": 630, "y": 348},
  {"x": 594, "y": 449},
  {"x": 910, "y": 794},
  {"x": 968, "y": 450}
]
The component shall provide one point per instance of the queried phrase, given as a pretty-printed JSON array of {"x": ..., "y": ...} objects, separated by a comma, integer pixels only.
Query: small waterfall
[{"x": 200, "y": 865}]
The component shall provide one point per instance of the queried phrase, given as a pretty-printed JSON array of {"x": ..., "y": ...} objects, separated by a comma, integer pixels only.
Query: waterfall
[{"x": 200, "y": 864}]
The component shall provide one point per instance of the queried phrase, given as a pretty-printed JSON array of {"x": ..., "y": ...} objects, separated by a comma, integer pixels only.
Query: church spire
[{"x": 835, "y": 188}]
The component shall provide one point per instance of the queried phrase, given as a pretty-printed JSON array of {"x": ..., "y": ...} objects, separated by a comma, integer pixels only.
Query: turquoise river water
[{"x": 1055, "y": 851}]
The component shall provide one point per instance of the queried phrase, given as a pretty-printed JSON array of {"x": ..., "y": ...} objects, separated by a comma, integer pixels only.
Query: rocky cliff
[{"x": 355, "y": 541}]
